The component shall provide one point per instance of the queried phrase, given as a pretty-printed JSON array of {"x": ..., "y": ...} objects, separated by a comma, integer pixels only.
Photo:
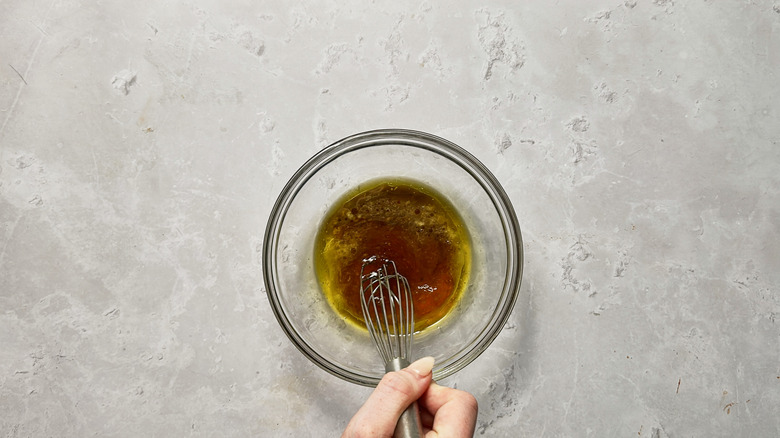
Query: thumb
[{"x": 394, "y": 393}]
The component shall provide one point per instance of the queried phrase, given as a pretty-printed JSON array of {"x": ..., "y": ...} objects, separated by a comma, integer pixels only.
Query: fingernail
[{"x": 422, "y": 366}]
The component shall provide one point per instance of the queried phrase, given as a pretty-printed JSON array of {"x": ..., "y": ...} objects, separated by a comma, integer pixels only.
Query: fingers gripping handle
[{"x": 409, "y": 425}]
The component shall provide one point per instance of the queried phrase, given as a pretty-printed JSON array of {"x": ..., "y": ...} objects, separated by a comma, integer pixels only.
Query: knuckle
[
  {"x": 468, "y": 401},
  {"x": 397, "y": 384}
]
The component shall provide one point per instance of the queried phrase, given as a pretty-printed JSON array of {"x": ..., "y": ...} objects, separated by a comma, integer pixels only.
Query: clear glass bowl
[{"x": 288, "y": 265}]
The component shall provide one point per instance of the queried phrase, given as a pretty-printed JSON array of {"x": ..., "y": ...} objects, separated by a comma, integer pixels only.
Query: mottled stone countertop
[{"x": 142, "y": 145}]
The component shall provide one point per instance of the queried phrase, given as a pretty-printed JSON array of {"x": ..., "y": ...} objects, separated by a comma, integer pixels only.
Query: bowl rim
[{"x": 431, "y": 143}]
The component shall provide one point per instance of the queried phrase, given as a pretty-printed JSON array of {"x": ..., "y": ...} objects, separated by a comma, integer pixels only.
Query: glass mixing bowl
[{"x": 288, "y": 251}]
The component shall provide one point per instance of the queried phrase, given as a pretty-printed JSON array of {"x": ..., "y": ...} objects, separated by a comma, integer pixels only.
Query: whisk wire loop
[{"x": 388, "y": 310}]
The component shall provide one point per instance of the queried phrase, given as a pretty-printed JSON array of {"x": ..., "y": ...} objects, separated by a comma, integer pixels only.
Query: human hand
[{"x": 445, "y": 412}]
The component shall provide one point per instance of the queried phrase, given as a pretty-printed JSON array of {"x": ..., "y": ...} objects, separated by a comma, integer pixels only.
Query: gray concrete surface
[{"x": 143, "y": 143}]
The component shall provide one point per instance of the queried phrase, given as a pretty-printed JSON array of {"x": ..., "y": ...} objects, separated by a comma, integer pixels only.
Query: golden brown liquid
[{"x": 400, "y": 221}]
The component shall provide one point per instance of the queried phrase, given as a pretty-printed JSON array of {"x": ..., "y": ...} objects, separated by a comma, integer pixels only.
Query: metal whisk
[{"x": 389, "y": 315}]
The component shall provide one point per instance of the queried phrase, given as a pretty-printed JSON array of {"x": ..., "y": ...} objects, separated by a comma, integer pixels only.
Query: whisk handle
[{"x": 409, "y": 425}]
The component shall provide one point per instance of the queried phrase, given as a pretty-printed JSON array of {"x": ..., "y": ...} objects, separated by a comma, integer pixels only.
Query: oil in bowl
[{"x": 400, "y": 220}]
